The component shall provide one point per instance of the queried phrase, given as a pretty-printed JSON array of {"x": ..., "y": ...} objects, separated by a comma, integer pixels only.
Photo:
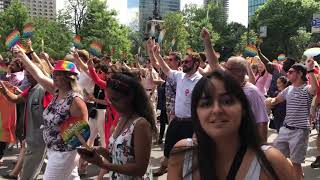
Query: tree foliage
[
  {"x": 174, "y": 25},
  {"x": 283, "y": 19},
  {"x": 101, "y": 24}
]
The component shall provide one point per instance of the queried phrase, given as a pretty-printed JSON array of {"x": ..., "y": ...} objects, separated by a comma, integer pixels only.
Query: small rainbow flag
[
  {"x": 72, "y": 126},
  {"x": 281, "y": 57},
  {"x": 95, "y": 48},
  {"x": 161, "y": 36},
  {"x": 173, "y": 42},
  {"x": 250, "y": 51},
  {"x": 12, "y": 39},
  {"x": 77, "y": 41},
  {"x": 27, "y": 30}
]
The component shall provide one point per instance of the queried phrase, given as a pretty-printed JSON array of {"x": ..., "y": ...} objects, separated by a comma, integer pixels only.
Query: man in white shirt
[{"x": 181, "y": 125}]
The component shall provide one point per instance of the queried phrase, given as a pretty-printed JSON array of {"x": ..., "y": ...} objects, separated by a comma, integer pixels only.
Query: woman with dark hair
[
  {"x": 227, "y": 145},
  {"x": 130, "y": 144}
]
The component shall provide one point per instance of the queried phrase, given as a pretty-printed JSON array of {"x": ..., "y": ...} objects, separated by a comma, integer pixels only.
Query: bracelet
[{"x": 311, "y": 71}]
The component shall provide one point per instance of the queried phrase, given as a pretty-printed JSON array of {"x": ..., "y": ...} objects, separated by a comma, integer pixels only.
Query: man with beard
[
  {"x": 181, "y": 125},
  {"x": 36, "y": 100}
]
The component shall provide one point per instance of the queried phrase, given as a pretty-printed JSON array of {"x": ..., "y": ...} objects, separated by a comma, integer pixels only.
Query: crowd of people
[{"x": 217, "y": 114}]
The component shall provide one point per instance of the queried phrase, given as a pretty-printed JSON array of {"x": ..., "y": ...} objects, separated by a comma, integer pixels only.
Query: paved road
[{"x": 157, "y": 151}]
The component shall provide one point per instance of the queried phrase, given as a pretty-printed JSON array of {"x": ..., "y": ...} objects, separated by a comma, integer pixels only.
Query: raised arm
[
  {"x": 313, "y": 80},
  {"x": 163, "y": 65},
  {"x": 94, "y": 76},
  {"x": 153, "y": 60},
  {"x": 265, "y": 61},
  {"x": 34, "y": 70},
  {"x": 210, "y": 53},
  {"x": 252, "y": 78},
  {"x": 9, "y": 95}
]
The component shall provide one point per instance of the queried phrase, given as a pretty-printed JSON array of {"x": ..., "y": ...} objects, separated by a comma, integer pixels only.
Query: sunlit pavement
[{"x": 157, "y": 152}]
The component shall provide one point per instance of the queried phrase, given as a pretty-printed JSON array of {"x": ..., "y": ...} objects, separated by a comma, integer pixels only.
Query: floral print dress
[
  {"x": 122, "y": 151},
  {"x": 56, "y": 112}
]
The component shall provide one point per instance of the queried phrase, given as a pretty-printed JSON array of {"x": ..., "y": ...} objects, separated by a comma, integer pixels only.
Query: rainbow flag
[
  {"x": 70, "y": 127},
  {"x": 282, "y": 57},
  {"x": 12, "y": 39},
  {"x": 173, "y": 42},
  {"x": 77, "y": 41},
  {"x": 250, "y": 51},
  {"x": 95, "y": 48},
  {"x": 161, "y": 36},
  {"x": 27, "y": 30}
]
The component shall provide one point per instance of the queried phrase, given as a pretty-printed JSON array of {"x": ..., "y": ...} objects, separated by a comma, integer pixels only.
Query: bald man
[{"x": 238, "y": 69}]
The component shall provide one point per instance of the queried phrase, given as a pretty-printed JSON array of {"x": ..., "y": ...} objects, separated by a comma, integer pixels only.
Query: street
[{"x": 157, "y": 152}]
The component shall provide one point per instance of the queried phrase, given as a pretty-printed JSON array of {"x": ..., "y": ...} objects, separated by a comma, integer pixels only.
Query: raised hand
[
  {"x": 150, "y": 44},
  {"x": 29, "y": 45},
  {"x": 309, "y": 64},
  {"x": 156, "y": 49},
  {"x": 205, "y": 35},
  {"x": 90, "y": 63}
]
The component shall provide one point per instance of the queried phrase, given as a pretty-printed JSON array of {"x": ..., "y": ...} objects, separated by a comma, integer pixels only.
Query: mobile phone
[{"x": 85, "y": 151}]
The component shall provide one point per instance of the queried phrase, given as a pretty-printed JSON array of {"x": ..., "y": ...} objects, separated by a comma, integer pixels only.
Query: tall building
[
  {"x": 41, "y": 8},
  {"x": 253, "y": 5},
  {"x": 36, "y": 8},
  {"x": 225, "y": 4},
  {"x": 146, "y": 8}
]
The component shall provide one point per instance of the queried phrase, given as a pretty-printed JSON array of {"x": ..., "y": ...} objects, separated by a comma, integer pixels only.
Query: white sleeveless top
[{"x": 253, "y": 172}]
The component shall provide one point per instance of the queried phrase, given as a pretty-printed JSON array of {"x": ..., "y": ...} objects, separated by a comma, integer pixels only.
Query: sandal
[
  {"x": 161, "y": 171},
  {"x": 8, "y": 176}
]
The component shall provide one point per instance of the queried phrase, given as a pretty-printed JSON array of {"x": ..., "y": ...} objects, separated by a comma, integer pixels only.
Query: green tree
[
  {"x": 284, "y": 18},
  {"x": 14, "y": 17},
  {"x": 174, "y": 23},
  {"x": 101, "y": 24},
  {"x": 56, "y": 36},
  {"x": 244, "y": 39},
  {"x": 229, "y": 39}
]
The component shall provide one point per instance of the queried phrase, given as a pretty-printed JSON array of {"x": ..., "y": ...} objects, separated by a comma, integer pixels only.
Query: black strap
[{"x": 237, "y": 162}]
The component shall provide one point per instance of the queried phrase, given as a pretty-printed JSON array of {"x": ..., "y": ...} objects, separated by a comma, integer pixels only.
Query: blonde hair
[{"x": 73, "y": 82}]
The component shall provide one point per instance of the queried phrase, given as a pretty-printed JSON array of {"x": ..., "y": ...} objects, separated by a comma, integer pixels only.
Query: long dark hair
[
  {"x": 126, "y": 83},
  {"x": 247, "y": 132}
]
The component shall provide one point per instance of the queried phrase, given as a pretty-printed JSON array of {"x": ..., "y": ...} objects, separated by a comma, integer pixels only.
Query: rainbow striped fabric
[
  {"x": 27, "y": 30},
  {"x": 250, "y": 51},
  {"x": 70, "y": 127},
  {"x": 12, "y": 39},
  {"x": 95, "y": 48},
  {"x": 281, "y": 57},
  {"x": 77, "y": 41},
  {"x": 68, "y": 66}
]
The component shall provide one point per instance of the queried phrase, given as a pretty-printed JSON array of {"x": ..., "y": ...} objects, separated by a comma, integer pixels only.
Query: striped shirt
[{"x": 298, "y": 106}]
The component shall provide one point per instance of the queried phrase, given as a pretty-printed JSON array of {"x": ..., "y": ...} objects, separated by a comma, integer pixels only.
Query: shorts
[{"x": 293, "y": 143}]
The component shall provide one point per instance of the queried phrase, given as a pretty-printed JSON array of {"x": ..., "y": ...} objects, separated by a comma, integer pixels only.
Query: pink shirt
[
  {"x": 263, "y": 82},
  {"x": 256, "y": 101}
]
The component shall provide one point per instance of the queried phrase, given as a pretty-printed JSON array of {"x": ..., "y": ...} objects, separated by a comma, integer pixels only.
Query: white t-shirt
[{"x": 184, "y": 90}]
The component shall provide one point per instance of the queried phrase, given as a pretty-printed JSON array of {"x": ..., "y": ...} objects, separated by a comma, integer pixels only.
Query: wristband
[{"x": 311, "y": 71}]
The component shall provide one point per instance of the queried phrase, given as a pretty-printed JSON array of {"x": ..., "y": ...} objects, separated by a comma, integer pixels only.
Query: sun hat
[{"x": 66, "y": 66}]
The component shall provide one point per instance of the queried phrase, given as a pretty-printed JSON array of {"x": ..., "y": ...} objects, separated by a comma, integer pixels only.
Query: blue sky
[{"x": 127, "y": 9}]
